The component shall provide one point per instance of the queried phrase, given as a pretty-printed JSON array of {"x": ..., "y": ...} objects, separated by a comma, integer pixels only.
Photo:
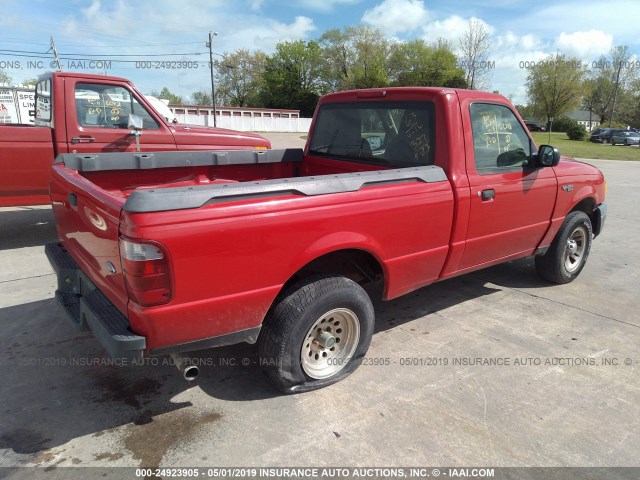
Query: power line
[
  {"x": 105, "y": 46},
  {"x": 3, "y": 51},
  {"x": 76, "y": 59}
]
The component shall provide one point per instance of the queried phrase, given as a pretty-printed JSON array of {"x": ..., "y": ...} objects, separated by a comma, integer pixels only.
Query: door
[
  {"x": 511, "y": 202},
  {"x": 97, "y": 115}
]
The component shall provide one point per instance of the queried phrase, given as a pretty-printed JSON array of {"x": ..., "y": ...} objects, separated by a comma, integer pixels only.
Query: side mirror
[
  {"x": 547, "y": 156},
  {"x": 134, "y": 122}
]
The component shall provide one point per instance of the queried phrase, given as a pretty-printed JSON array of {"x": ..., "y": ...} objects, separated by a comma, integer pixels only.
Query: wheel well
[
  {"x": 357, "y": 265},
  {"x": 586, "y": 205}
]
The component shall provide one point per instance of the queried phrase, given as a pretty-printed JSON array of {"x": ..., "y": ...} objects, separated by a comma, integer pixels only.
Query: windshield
[{"x": 398, "y": 134}]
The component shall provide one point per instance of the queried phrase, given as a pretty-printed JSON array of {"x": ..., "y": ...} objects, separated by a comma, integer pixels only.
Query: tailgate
[{"x": 88, "y": 220}]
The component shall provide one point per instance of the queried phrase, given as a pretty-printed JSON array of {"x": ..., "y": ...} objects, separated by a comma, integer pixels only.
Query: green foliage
[
  {"x": 414, "y": 63},
  {"x": 575, "y": 131},
  {"x": 628, "y": 105},
  {"x": 165, "y": 94},
  {"x": 238, "y": 78},
  {"x": 525, "y": 111},
  {"x": 4, "y": 78},
  {"x": 201, "y": 98},
  {"x": 563, "y": 124},
  {"x": 598, "y": 91},
  {"x": 555, "y": 85},
  {"x": 371, "y": 51},
  {"x": 291, "y": 77},
  {"x": 355, "y": 57},
  {"x": 616, "y": 125}
]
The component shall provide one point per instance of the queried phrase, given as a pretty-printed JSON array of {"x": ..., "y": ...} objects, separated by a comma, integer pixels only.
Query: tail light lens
[{"x": 146, "y": 272}]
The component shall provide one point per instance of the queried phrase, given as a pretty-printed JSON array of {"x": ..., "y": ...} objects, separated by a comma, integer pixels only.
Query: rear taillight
[{"x": 146, "y": 272}]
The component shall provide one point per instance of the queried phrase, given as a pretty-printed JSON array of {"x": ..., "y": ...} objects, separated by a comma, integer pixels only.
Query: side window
[
  {"x": 148, "y": 123},
  {"x": 108, "y": 106},
  {"x": 499, "y": 141}
]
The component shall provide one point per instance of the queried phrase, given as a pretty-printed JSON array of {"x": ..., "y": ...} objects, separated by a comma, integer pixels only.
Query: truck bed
[
  {"x": 258, "y": 207},
  {"x": 123, "y": 174},
  {"x": 161, "y": 181}
]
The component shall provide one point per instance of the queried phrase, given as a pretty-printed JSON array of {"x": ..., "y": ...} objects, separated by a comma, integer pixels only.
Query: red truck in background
[
  {"x": 81, "y": 113},
  {"x": 165, "y": 253}
]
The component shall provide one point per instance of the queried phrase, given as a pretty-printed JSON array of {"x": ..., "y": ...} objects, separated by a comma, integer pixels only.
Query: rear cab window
[
  {"x": 396, "y": 134},
  {"x": 499, "y": 140},
  {"x": 109, "y": 106}
]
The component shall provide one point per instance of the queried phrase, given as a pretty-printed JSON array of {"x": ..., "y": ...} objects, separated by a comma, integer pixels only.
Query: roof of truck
[
  {"x": 398, "y": 92},
  {"x": 88, "y": 76}
]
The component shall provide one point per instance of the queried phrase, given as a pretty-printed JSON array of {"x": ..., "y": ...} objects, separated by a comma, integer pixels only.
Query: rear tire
[
  {"x": 568, "y": 252},
  {"x": 316, "y": 334}
]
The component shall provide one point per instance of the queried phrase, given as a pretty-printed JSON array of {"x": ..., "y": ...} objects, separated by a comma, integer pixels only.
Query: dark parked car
[
  {"x": 627, "y": 137},
  {"x": 606, "y": 137},
  {"x": 534, "y": 127},
  {"x": 598, "y": 133}
]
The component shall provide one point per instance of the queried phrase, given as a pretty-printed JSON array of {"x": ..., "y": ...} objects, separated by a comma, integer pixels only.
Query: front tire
[
  {"x": 316, "y": 334},
  {"x": 568, "y": 252}
]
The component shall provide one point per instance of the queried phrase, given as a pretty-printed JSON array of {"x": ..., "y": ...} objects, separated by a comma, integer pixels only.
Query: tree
[
  {"x": 525, "y": 111},
  {"x": 292, "y": 77},
  {"x": 414, "y": 63},
  {"x": 609, "y": 80},
  {"x": 554, "y": 85},
  {"x": 598, "y": 92},
  {"x": 575, "y": 131},
  {"x": 371, "y": 50},
  {"x": 165, "y": 94},
  {"x": 624, "y": 71},
  {"x": 628, "y": 109},
  {"x": 31, "y": 82},
  {"x": 239, "y": 75},
  {"x": 355, "y": 57},
  {"x": 4, "y": 78},
  {"x": 474, "y": 47},
  {"x": 201, "y": 98},
  {"x": 337, "y": 59}
]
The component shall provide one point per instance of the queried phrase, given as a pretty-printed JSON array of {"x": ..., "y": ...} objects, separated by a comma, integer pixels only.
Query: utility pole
[
  {"x": 213, "y": 86},
  {"x": 55, "y": 54}
]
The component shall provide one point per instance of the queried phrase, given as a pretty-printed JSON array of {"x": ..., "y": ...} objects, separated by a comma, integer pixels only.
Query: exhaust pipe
[{"x": 185, "y": 367}]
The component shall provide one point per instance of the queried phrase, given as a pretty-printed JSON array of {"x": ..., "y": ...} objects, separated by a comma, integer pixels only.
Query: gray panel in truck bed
[
  {"x": 94, "y": 162},
  {"x": 180, "y": 198}
]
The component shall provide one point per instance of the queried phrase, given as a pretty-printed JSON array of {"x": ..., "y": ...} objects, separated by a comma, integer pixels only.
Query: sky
[{"x": 154, "y": 31}]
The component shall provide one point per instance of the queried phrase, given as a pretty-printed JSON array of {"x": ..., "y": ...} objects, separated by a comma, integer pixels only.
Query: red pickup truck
[
  {"x": 401, "y": 187},
  {"x": 80, "y": 113}
]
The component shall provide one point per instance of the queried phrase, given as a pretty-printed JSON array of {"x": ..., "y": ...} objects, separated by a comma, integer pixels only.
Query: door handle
[
  {"x": 84, "y": 139},
  {"x": 487, "y": 194},
  {"x": 72, "y": 198}
]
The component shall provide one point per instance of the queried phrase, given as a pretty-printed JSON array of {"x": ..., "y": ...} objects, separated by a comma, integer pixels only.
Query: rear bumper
[{"x": 89, "y": 309}]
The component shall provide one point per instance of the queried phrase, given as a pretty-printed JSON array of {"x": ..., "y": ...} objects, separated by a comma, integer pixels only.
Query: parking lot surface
[{"x": 492, "y": 368}]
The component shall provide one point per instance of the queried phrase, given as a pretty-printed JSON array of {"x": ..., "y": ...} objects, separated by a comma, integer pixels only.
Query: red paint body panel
[
  {"x": 230, "y": 259},
  {"x": 27, "y": 152}
]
